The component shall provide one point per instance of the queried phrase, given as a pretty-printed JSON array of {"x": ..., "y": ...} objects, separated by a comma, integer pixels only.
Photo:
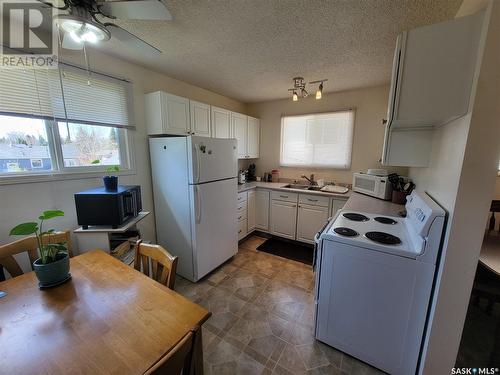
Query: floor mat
[{"x": 289, "y": 250}]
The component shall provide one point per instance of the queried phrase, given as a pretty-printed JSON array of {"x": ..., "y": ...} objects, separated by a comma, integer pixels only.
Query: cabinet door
[
  {"x": 337, "y": 204},
  {"x": 310, "y": 219},
  {"x": 200, "y": 118},
  {"x": 240, "y": 132},
  {"x": 153, "y": 103},
  {"x": 253, "y": 137},
  {"x": 177, "y": 115},
  {"x": 221, "y": 123},
  {"x": 251, "y": 210},
  {"x": 283, "y": 219},
  {"x": 262, "y": 210}
]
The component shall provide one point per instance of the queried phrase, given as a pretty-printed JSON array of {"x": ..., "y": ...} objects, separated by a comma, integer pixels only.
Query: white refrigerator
[{"x": 195, "y": 189}]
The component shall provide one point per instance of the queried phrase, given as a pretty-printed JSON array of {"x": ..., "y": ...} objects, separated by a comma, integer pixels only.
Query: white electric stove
[{"x": 374, "y": 277}]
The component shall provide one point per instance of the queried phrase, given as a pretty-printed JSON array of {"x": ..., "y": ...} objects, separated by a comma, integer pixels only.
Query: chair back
[
  {"x": 163, "y": 264},
  {"x": 178, "y": 360},
  {"x": 495, "y": 207},
  {"x": 30, "y": 245}
]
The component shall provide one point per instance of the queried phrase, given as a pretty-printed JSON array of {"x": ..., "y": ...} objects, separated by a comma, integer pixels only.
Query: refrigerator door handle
[
  {"x": 197, "y": 156},
  {"x": 198, "y": 204}
]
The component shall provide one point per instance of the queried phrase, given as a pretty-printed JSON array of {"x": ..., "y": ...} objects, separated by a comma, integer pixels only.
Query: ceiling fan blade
[
  {"x": 69, "y": 43},
  {"x": 131, "y": 40},
  {"x": 136, "y": 10}
]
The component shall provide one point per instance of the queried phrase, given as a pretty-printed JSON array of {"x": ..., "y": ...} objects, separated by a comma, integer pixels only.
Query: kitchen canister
[{"x": 275, "y": 175}]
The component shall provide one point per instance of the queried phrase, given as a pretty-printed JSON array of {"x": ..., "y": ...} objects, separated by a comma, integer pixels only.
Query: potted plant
[
  {"x": 52, "y": 268},
  {"x": 110, "y": 181}
]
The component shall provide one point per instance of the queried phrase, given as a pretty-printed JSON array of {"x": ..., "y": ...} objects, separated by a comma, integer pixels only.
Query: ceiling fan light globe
[
  {"x": 318, "y": 94},
  {"x": 75, "y": 37},
  {"x": 295, "y": 97},
  {"x": 90, "y": 37}
]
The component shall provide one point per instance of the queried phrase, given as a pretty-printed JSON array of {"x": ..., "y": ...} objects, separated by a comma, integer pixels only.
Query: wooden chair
[
  {"x": 178, "y": 360},
  {"x": 30, "y": 245},
  {"x": 163, "y": 264}
]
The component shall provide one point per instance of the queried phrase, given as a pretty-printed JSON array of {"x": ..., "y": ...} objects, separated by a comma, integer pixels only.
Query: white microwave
[{"x": 376, "y": 186}]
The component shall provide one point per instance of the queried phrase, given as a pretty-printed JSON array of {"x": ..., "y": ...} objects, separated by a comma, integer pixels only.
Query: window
[
  {"x": 322, "y": 140},
  {"x": 62, "y": 121}
]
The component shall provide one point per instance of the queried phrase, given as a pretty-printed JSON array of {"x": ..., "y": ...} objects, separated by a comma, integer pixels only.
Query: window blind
[
  {"x": 69, "y": 94},
  {"x": 317, "y": 140}
]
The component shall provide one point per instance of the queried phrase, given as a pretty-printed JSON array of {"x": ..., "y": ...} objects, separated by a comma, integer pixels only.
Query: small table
[
  {"x": 490, "y": 252},
  {"x": 98, "y": 237},
  {"x": 109, "y": 318}
]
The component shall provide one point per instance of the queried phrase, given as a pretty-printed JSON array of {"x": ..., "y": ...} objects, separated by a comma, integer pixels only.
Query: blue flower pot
[
  {"x": 110, "y": 183},
  {"x": 52, "y": 274}
]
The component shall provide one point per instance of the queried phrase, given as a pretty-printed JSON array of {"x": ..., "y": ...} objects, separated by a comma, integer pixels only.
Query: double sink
[{"x": 302, "y": 187}]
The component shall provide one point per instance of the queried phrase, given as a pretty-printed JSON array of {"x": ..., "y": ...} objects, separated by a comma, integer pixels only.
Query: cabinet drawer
[
  {"x": 242, "y": 206},
  {"x": 314, "y": 200},
  {"x": 242, "y": 196},
  {"x": 284, "y": 196},
  {"x": 242, "y": 229},
  {"x": 242, "y": 215}
]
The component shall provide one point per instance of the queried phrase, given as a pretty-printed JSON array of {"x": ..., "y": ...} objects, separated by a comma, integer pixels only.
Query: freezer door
[
  {"x": 212, "y": 159},
  {"x": 215, "y": 232}
]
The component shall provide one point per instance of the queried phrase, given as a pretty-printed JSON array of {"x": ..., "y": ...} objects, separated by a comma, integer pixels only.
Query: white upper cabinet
[
  {"x": 434, "y": 71},
  {"x": 240, "y": 132},
  {"x": 167, "y": 114},
  {"x": 246, "y": 130},
  {"x": 253, "y": 135},
  {"x": 200, "y": 119},
  {"x": 221, "y": 123}
]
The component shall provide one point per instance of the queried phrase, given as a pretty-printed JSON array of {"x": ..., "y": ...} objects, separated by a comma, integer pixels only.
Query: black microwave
[{"x": 112, "y": 208}]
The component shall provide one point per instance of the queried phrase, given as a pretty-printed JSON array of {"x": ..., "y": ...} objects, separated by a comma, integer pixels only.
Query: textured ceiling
[{"x": 250, "y": 49}]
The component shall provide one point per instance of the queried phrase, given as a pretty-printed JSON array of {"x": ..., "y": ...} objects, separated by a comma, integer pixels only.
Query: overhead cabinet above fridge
[{"x": 434, "y": 72}]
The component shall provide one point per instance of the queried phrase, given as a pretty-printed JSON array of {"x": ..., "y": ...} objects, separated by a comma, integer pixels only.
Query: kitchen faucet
[{"x": 311, "y": 179}]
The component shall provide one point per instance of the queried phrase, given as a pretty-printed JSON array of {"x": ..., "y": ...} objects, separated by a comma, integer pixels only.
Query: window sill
[{"x": 59, "y": 176}]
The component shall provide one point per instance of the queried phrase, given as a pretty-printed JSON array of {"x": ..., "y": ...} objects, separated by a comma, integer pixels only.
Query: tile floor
[{"x": 262, "y": 322}]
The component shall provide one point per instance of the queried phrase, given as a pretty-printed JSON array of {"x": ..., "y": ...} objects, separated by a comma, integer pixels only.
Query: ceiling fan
[{"x": 87, "y": 21}]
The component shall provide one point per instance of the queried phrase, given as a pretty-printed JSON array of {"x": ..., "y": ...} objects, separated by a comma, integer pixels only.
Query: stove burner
[
  {"x": 385, "y": 220},
  {"x": 343, "y": 231},
  {"x": 383, "y": 238},
  {"x": 355, "y": 217}
]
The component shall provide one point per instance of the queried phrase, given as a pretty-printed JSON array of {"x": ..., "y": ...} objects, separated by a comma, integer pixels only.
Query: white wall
[
  {"x": 371, "y": 107},
  {"x": 23, "y": 202},
  {"x": 461, "y": 177}
]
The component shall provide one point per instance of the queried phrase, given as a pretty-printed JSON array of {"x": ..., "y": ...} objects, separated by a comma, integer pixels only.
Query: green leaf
[
  {"x": 95, "y": 162},
  {"x": 24, "y": 229},
  {"x": 51, "y": 214},
  {"x": 113, "y": 168}
]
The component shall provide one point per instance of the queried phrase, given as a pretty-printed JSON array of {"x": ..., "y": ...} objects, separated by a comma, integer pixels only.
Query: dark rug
[{"x": 289, "y": 250}]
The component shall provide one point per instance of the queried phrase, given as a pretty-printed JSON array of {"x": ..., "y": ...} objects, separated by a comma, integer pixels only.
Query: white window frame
[
  {"x": 316, "y": 166},
  {"x": 60, "y": 172}
]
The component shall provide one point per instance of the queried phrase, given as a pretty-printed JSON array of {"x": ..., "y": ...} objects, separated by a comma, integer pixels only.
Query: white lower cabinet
[
  {"x": 283, "y": 219},
  {"x": 251, "y": 211},
  {"x": 262, "y": 210},
  {"x": 242, "y": 229},
  {"x": 336, "y": 205},
  {"x": 310, "y": 219}
]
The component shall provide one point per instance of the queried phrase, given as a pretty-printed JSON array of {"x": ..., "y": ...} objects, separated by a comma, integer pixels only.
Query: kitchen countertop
[
  {"x": 280, "y": 186},
  {"x": 364, "y": 203}
]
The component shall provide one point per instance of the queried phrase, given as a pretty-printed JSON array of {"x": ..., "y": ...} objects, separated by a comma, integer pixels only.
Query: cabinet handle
[
  {"x": 283, "y": 196},
  {"x": 384, "y": 121},
  {"x": 312, "y": 200},
  {"x": 239, "y": 231},
  {"x": 239, "y": 217}
]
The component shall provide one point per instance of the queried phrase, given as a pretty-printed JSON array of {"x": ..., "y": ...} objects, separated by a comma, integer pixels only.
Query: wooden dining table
[{"x": 108, "y": 319}]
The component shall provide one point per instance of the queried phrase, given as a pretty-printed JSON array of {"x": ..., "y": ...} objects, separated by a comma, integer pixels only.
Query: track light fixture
[{"x": 299, "y": 88}]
